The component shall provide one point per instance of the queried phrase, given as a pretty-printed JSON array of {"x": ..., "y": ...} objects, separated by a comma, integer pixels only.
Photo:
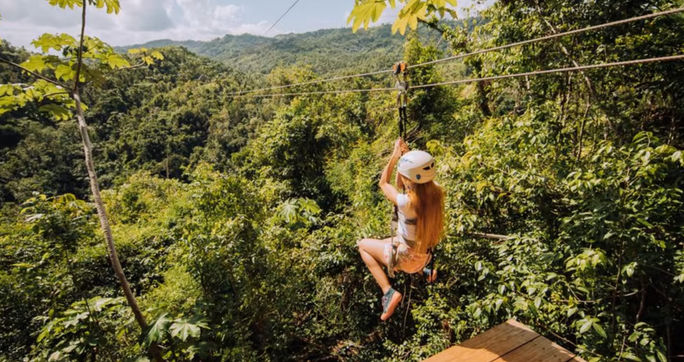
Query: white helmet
[{"x": 417, "y": 166}]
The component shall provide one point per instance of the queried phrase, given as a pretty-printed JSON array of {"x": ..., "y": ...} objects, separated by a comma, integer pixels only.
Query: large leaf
[
  {"x": 367, "y": 11},
  {"x": 158, "y": 329},
  {"x": 183, "y": 329},
  {"x": 56, "y": 42},
  {"x": 111, "y": 5}
]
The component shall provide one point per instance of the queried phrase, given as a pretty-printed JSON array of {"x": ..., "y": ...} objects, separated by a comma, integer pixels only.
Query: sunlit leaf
[
  {"x": 116, "y": 61},
  {"x": 585, "y": 325},
  {"x": 183, "y": 329}
]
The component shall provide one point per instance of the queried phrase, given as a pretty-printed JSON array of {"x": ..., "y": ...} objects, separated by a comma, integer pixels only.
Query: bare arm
[
  {"x": 387, "y": 188},
  {"x": 398, "y": 182}
]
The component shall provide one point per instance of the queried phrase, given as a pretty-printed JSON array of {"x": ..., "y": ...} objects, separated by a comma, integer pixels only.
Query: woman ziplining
[{"x": 420, "y": 214}]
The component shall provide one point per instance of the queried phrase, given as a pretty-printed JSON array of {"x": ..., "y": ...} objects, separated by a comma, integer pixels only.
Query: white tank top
[{"x": 406, "y": 223}]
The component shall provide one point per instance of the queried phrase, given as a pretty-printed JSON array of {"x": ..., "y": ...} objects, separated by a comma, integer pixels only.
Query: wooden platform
[{"x": 511, "y": 341}]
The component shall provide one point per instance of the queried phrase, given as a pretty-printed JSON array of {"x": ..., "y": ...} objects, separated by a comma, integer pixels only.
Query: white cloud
[
  {"x": 138, "y": 21},
  {"x": 143, "y": 15},
  {"x": 144, "y": 20}
]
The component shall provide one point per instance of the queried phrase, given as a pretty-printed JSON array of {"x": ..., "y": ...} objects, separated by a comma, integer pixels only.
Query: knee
[{"x": 361, "y": 244}]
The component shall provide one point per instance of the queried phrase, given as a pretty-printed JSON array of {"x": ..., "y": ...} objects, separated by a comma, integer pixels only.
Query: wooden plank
[
  {"x": 538, "y": 350},
  {"x": 489, "y": 345}
]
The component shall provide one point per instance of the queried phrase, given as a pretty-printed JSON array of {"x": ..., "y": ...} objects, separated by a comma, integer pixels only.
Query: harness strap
[{"x": 392, "y": 260}]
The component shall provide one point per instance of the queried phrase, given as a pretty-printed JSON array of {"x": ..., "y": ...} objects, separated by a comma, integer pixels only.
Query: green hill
[{"x": 329, "y": 50}]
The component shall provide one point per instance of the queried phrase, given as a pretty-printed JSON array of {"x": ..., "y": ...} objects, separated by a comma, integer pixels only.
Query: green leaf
[
  {"x": 629, "y": 269},
  {"x": 599, "y": 330},
  {"x": 497, "y": 303},
  {"x": 477, "y": 313},
  {"x": 35, "y": 63},
  {"x": 7, "y": 89},
  {"x": 112, "y": 5},
  {"x": 630, "y": 357},
  {"x": 56, "y": 111},
  {"x": 158, "y": 329},
  {"x": 137, "y": 51},
  {"x": 64, "y": 72},
  {"x": 57, "y": 42},
  {"x": 585, "y": 326},
  {"x": 478, "y": 266},
  {"x": 116, "y": 61},
  {"x": 65, "y": 3},
  {"x": 157, "y": 55},
  {"x": 677, "y": 156},
  {"x": 183, "y": 329}
]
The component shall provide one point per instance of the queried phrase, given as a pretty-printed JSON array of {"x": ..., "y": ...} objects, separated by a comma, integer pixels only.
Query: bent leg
[{"x": 371, "y": 251}]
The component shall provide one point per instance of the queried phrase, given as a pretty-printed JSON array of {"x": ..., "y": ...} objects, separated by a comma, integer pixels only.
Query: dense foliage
[{"x": 236, "y": 218}]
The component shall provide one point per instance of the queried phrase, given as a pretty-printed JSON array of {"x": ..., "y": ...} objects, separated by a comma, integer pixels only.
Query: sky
[{"x": 140, "y": 21}]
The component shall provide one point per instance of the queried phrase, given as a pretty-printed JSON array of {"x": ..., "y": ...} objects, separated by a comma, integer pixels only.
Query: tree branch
[
  {"x": 79, "y": 56},
  {"x": 35, "y": 74},
  {"x": 137, "y": 66},
  {"x": 491, "y": 236},
  {"x": 55, "y": 94},
  {"x": 434, "y": 25}
]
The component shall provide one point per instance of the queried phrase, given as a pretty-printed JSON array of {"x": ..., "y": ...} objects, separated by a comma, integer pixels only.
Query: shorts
[{"x": 404, "y": 259}]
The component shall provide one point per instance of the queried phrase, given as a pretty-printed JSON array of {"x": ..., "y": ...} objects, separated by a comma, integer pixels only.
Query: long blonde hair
[{"x": 428, "y": 201}]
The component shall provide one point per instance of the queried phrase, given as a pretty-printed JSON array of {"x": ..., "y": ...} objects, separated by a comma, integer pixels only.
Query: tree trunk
[
  {"x": 102, "y": 214},
  {"x": 104, "y": 223}
]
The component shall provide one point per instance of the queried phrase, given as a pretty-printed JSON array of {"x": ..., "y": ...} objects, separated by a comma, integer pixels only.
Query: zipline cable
[
  {"x": 474, "y": 80},
  {"x": 465, "y": 55},
  {"x": 558, "y": 70},
  {"x": 342, "y": 77},
  {"x": 552, "y": 36},
  {"x": 281, "y": 16}
]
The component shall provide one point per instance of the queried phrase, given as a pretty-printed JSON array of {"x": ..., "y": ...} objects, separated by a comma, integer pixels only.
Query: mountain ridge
[{"x": 325, "y": 50}]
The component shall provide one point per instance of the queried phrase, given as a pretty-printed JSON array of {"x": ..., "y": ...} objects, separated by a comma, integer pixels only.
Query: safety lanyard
[{"x": 402, "y": 85}]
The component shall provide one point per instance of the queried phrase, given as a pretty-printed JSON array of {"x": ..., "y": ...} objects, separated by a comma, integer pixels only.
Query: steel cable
[
  {"x": 465, "y": 55},
  {"x": 482, "y": 79}
]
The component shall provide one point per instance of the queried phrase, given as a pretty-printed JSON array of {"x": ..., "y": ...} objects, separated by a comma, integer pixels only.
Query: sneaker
[
  {"x": 390, "y": 301},
  {"x": 430, "y": 274}
]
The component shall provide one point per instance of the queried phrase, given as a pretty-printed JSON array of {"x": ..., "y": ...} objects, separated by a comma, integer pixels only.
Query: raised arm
[
  {"x": 388, "y": 189},
  {"x": 398, "y": 181}
]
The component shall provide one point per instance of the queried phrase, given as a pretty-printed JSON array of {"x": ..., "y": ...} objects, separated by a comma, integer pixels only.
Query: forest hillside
[
  {"x": 325, "y": 51},
  {"x": 149, "y": 211}
]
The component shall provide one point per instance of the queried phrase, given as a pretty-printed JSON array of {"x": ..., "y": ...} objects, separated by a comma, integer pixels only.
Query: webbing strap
[{"x": 402, "y": 86}]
